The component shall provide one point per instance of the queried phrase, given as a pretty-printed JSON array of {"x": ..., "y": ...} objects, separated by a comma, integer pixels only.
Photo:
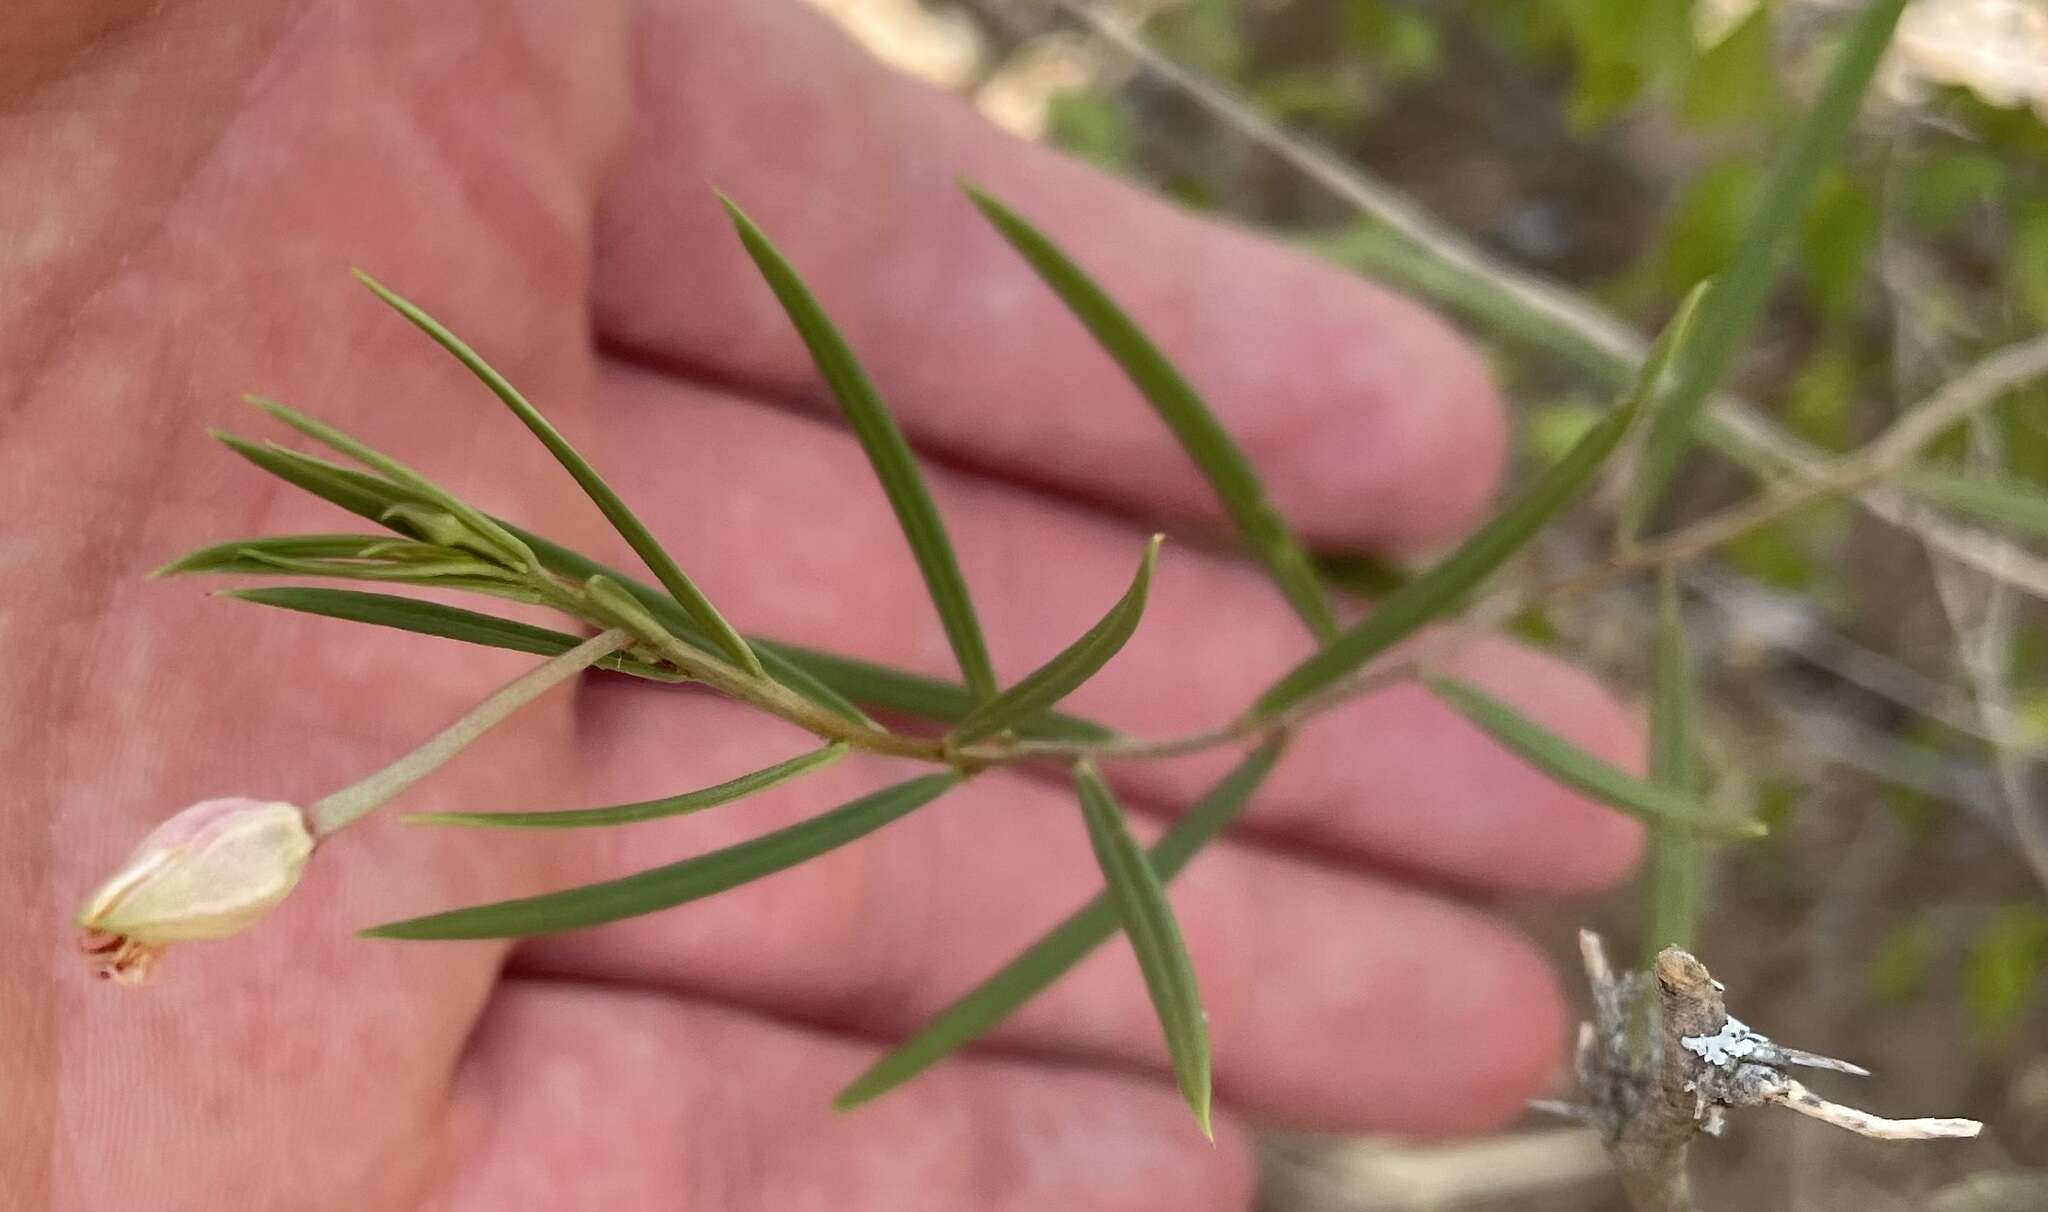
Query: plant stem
[
  {"x": 604, "y": 603},
  {"x": 351, "y": 803}
]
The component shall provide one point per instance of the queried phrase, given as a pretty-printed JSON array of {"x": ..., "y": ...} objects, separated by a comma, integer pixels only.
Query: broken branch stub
[{"x": 1652, "y": 1092}]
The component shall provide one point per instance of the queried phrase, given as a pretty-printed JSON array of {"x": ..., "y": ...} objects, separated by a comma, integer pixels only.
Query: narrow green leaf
[
  {"x": 2011, "y": 505},
  {"x": 887, "y": 451},
  {"x": 360, "y": 493},
  {"x": 688, "y": 880},
  {"x": 913, "y": 694},
  {"x": 1211, "y": 447},
  {"x": 1065, "y": 672},
  {"x": 508, "y": 549},
  {"x": 1580, "y": 770},
  {"x": 645, "y": 810},
  {"x": 1735, "y": 305},
  {"x": 452, "y": 570},
  {"x": 432, "y": 618},
  {"x": 1653, "y": 392},
  {"x": 1442, "y": 588},
  {"x": 468, "y": 576},
  {"x": 615, "y": 510},
  {"x": 1141, "y": 908},
  {"x": 412, "y": 551},
  {"x": 235, "y": 556},
  {"x": 1065, "y": 945},
  {"x": 1673, "y": 874}
]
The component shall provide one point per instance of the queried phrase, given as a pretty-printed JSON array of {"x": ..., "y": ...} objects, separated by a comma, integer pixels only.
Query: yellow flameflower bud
[{"x": 207, "y": 872}]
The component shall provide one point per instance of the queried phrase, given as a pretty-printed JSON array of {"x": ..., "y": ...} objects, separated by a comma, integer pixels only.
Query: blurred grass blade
[
  {"x": 1212, "y": 448},
  {"x": 1673, "y": 872},
  {"x": 645, "y": 810},
  {"x": 1442, "y": 588},
  {"x": 1470, "y": 292},
  {"x": 1141, "y": 908},
  {"x": 1065, "y": 945},
  {"x": 419, "y": 487},
  {"x": 235, "y": 556},
  {"x": 887, "y": 451},
  {"x": 1732, "y": 310},
  {"x": 2011, "y": 505},
  {"x": 1065, "y": 672},
  {"x": 1582, "y": 771},
  {"x": 615, "y": 510},
  {"x": 432, "y": 618},
  {"x": 688, "y": 880}
]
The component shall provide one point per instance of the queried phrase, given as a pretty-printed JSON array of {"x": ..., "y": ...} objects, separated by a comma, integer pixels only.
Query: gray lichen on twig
[{"x": 1656, "y": 1073}]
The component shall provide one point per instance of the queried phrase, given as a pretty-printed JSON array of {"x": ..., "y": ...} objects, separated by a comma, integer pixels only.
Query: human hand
[{"x": 190, "y": 183}]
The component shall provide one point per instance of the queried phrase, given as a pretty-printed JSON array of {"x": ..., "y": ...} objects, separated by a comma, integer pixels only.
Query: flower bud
[{"x": 207, "y": 872}]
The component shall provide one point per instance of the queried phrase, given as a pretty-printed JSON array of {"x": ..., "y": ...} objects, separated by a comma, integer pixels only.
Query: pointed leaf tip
[
  {"x": 616, "y": 511},
  {"x": 1060, "y": 948},
  {"x": 1141, "y": 906},
  {"x": 1215, "y": 453},
  {"x": 888, "y": 452},
  {"x": 1440, "y": 591},
  {"x": 1070, "y": 668}
]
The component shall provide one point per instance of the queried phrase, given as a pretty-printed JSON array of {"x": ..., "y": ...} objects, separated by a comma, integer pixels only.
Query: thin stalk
[{"x": 351, "y": 803}]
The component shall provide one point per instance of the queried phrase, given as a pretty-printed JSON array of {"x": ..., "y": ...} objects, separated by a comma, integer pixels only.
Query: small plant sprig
[{"x": 668, "y": 631}]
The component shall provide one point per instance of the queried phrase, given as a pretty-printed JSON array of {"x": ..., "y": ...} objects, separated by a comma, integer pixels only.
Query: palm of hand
[{"x": 209, "y": 175}]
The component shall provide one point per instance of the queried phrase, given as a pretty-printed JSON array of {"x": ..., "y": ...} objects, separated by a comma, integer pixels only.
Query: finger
[
  {"x": 578, "y": 1097},
  {"x": 1334, "y": 1000},
  {"x": 1371, "y": 422},
  {"x": 1395, "y": 777}
]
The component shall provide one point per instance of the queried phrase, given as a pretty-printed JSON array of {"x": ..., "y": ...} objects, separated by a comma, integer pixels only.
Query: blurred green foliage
[
  {"x": 2008, "y": 963},
  {"x": 1619, "y": 146},
  {"x": 1956, "y": 180},
  {"x": 1897, "y": 969}
]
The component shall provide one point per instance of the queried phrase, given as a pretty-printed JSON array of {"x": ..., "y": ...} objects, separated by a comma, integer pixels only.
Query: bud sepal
[{"x": 208, "y": 872}]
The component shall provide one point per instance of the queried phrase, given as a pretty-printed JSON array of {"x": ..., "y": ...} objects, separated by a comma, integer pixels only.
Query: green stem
[{"x": 351, "y": 803}]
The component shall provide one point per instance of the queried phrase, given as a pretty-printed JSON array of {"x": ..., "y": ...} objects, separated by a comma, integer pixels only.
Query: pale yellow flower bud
[{"x": 207, "y": 872}]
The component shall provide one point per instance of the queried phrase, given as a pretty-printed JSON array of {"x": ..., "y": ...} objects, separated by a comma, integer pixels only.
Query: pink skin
[{"x": 183, "y": 187}]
